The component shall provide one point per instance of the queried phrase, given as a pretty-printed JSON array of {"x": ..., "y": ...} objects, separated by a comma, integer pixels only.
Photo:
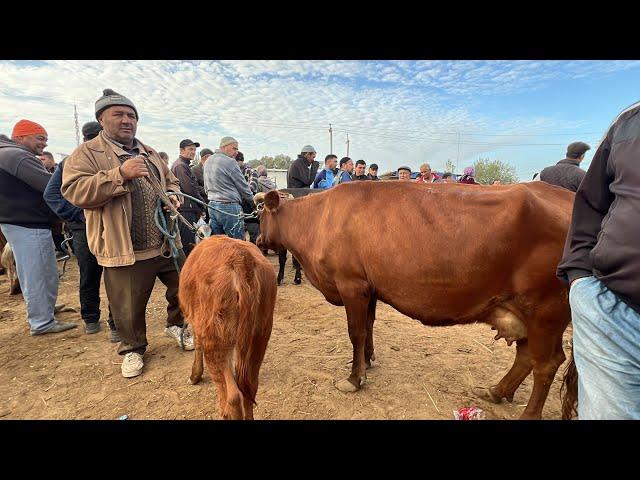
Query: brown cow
[
  {"x": 227, "y": 293},
  {"x": 507, "y": 241},
  {"x": 3, "y": 242},
  {"x": 8, "y": 261}
]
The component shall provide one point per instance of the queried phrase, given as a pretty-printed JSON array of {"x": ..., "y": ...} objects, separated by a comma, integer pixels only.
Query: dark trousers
[
  {"x": 253, "y": 229},
  {"x": 187, "y": 236},
  {"x": 129, "y": 289},
  {"x": 90, "y": 275}
]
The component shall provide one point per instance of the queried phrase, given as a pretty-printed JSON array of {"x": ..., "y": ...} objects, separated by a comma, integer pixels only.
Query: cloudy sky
[{"x": 395, "y": 112}]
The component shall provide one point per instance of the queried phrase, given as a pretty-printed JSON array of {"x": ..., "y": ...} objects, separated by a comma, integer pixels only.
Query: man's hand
[
  {"x": 174, "y": 201},
  {"x": 134, "y": 168}
]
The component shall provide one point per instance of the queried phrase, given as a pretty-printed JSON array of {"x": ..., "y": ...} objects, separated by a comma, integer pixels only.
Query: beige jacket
[{"x": 91, "y": 180}]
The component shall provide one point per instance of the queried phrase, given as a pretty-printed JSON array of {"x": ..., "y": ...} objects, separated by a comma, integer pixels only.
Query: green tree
[
  {"x": 450, "y": 166},
  {"x": 487, "y": 171},
  {"x": 281, "y": 161}
]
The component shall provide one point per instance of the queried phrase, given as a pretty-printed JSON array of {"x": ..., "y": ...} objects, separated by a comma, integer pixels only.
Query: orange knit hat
[{"x": 27, "y": 127}]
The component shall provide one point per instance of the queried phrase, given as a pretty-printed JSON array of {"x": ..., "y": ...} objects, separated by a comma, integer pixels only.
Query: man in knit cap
[
  {"x": 226, "y": 189},
  {"x": 90, "y": 130},
  {"x": 25, "y": 220},
  {"x": 107, "y": 177}
]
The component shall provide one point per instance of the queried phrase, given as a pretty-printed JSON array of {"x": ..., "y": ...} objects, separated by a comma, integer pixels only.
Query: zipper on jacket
[{"x": 126, "y": 220}]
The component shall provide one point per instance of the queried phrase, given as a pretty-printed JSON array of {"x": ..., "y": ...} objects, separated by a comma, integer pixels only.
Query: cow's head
[{"x": 269, "y": 237}]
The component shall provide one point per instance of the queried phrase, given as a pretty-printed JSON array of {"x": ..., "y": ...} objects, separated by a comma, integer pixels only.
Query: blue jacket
[
  {"x": 60, "y": 206},
  {"x": 324, "y": 179}
]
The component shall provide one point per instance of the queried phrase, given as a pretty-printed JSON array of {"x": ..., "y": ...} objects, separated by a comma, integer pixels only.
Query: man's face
[
  {"x": 310, "y": 156},
  {"x": 188, "y": 152},
  {"x": 47, "y": 161},
  {"x": 120, "y": 123},
  {"x": 348, "y": 167},
  {"x": 204, "y": 158},
  {"x": 35, "y": 143},
  {"x": 425, "y": 171},
  {"x": 404, "y": 175},
  {"x": 373, "y": 172},
  {"x": 230, "y": 150},
  {"x": 331, "y": 163},
  {"x": 360, "y": 169}
]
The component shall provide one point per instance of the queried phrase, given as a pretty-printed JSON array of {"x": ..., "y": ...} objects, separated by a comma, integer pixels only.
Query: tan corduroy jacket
[{"x": 91, "y": 180}]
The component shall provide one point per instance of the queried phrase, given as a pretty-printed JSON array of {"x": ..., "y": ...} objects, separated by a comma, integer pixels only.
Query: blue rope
[{"x": 161, "y": 223}]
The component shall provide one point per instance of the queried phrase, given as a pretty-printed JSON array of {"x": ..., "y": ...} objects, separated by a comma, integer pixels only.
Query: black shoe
[{"x": 92, "y": 327}]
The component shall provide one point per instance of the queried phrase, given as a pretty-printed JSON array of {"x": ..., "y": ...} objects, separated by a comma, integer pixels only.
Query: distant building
[{"x": 279, "y": 176}]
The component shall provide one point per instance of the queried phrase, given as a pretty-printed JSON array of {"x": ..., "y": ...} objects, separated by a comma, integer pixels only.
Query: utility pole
[
  {"x": 330, "y": 140},
  {"x": 458, "y": 157},
  {"x": 347, "y": 144},
  {"x": 75, "y": 115}
]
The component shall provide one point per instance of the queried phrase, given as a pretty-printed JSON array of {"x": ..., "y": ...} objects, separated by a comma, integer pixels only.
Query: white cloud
[{"x": 395, "y": 112}]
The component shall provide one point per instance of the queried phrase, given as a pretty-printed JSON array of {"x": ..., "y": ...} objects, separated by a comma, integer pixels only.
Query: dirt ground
[{"x": 419, "y": 373}]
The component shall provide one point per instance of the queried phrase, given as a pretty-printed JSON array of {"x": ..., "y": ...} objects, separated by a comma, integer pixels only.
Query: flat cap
[{"x": 576, "y": 149}]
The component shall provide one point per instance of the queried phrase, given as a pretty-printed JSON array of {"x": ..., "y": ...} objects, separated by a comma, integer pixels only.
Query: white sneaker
[
  {"x": 174, "y": 332},
  {"x": 132, "y": 365}
]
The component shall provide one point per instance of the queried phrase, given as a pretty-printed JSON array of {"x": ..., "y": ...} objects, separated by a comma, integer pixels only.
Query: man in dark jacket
[
  {"x": 303, "y": 170},
  {"x": 188, "y": 184},
  {"x": 198, "y": 170},
  {"x": 567, "y": 173},
  {"x": 373, "y": 172},
  {"x": 25, "y": 221},
  {"x": 358, "y": 172},
  {"x": 601, "y": 263},
  {"x": 90, "y": 271}
]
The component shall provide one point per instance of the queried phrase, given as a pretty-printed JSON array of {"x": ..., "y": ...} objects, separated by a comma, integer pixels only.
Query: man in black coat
[
  {"x": 567, "y": 172},
  {"x": 303, "y": 170}
]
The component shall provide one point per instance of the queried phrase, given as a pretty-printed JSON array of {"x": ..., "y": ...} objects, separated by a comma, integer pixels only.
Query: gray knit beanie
[{"x": 111, "y": 98}]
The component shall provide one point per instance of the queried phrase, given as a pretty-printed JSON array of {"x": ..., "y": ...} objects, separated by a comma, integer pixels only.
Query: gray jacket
[
  {"x": 566, "y": 173},
  {"x": 224, "y": 181}
]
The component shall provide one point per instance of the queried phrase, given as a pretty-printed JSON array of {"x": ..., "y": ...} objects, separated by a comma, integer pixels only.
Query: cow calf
[{"x": 227, "y": 293}]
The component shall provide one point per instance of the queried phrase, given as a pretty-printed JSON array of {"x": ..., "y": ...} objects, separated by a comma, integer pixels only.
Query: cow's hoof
[
  {"x": 487, "y": 394},
  {"x": 297, "y": 281},
  {"x": 346, "y": 386}
]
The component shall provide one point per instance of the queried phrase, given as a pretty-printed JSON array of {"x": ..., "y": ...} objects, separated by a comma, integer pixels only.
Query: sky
[{"x": 395, "y": 113}]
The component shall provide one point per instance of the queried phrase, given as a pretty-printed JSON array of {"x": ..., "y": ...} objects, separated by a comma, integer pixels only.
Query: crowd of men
[{"x": 106, "y": 191}]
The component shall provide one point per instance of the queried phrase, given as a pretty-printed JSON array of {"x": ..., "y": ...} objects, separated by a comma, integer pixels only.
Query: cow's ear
[{"x": 272, "y": 200}]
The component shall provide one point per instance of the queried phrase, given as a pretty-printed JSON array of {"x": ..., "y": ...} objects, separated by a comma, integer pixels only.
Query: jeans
[
  {"x": 90, "y": 275},
  {"x": 37, "y": 271},
  {"x": 606, "y": 350},
  {"x": 222, "y": 224}
]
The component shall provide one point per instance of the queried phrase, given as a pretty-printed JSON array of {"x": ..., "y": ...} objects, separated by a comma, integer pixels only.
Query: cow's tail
[
  {"x": 248, "y": 291},
  {"x": 569, "y": 389}
]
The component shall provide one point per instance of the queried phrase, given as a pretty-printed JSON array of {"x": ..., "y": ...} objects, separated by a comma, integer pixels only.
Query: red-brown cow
[
  {"x": 227, "y": 293},
  {"x": 8, "y": 261},
  {"x": 506, "y": 242}
]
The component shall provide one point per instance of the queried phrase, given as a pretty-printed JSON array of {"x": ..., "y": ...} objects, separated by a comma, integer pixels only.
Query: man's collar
[
  {"x": 121, "y": 146},
  {"x": 570, "y": 161}
]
